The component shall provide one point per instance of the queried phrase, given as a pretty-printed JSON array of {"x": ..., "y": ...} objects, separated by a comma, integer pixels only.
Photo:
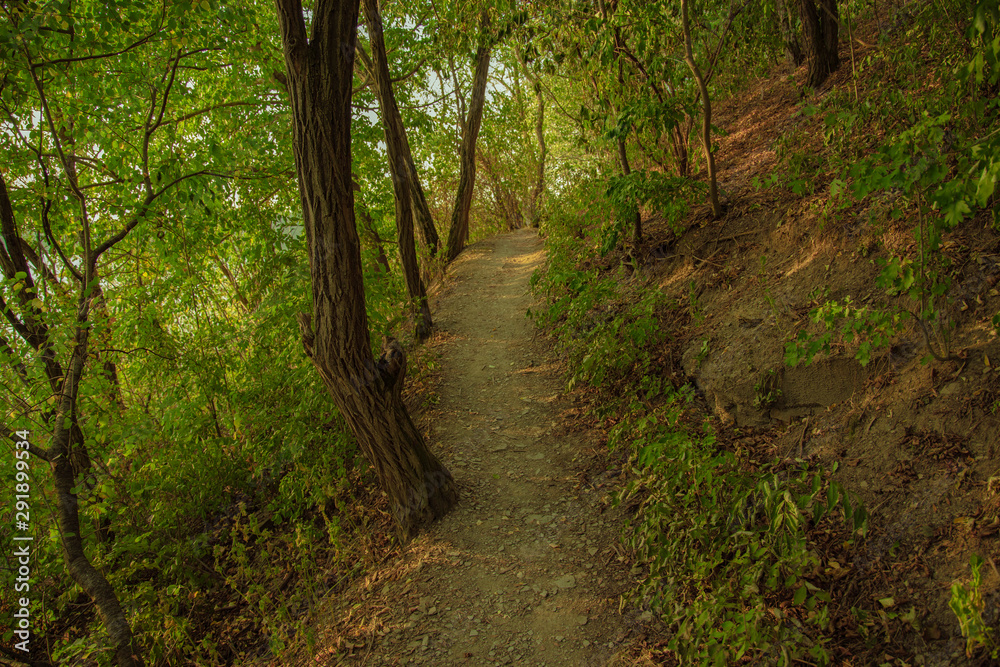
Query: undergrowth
[
  {"x": 731, "y": 544},
  {"x": 920, "y": 145},
  {"x": 727, "y": 543}
]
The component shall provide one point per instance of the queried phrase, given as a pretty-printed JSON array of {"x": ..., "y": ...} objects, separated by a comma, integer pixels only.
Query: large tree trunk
[
  {"x": 458, "y": 234},
  {"x": 820, "y": 23},
  {"x": 365, "y": 390},
  {"x": 706, "y": 127},
  {"x": 421, "y": 211},
  {"x": 400, "y": 168}
]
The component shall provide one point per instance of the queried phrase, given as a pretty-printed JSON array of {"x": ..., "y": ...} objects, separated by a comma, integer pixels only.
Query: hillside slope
[{"x": 913, "y": 438}]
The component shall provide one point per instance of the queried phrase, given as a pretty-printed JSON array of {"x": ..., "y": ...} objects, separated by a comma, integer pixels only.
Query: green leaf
[
  {"x": 986, "y": 185},
  {"x": 957, "y": 210}
]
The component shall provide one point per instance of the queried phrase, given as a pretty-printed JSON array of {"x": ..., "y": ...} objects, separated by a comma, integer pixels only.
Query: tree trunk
[
  {"x": 69, "y": 460},
  {"x": 422, "y": 212},
  {"x": 706, "y": 128},
  {"x": 536, "y": 193},
  {"x": 369, "y": 227},
  {"x": 400, "y": 165},
  {"x": 789, "y": 34},
  {"x": 458, "y": 234},
  {"x": 622, "y": 153},
  {"x": 679, "y": 149},
  {"x": 365, "y": 390},
  {"x": 820, "y": 23},
  {"x": 636, "y": 216},
  {"x": 67, "y": 453}
]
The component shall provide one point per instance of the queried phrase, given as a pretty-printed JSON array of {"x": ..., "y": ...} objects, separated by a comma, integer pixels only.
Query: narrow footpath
[{"x": 527, "y": 569}]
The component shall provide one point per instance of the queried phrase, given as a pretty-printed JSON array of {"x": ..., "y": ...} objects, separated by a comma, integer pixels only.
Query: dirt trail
[{"x": 525, "y": 570}]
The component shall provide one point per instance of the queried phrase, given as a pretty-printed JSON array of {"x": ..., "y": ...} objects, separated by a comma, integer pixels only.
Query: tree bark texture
[
  {"x": 365, "y": 390},
  {"x": 458, "y": 234},
  {"x": 421, "y": 211},
  {"x": 67, "y": 453},
  {"x": 400, "y": 169},
  {"x": 706, "y": 127},
  {"x": 821, "y": 26}
]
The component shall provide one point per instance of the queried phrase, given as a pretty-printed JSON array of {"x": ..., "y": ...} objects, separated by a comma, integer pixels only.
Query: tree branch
[
  {"x": 152, "y": 126},
  {"x": 144, "y": 208},
  {"x": 366, "y": 60},
  {"x": 99, "y": 56},
  {"x": 12, "y": 260},
  {"x": 223, "y": 105},
  {"x": 19, "y": 368},
  {"x": 67, "y": 166},
  {"x": 294, "y": 38},
  {"x": 40, "y": 452},
  {"x": 46, "y": 204},
  {"x": 17, "y": 324}
]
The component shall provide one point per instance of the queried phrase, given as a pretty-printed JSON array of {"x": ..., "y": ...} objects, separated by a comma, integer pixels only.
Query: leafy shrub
[
  {"x": 654, "y": 190},
  {"x": 967, "y": 603},
  {"x": 722, "y": 546},
  {"x": 871, "y": 328}
]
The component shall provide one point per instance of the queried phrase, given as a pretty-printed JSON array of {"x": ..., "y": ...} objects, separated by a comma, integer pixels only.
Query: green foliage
[
  {"x": 603, "y": 323},
  {"x": 870, "y": 328},
  {"x": 799, "y": 166},
  {"x": 217, "y": 464},
  {"x": 934, "y": 157},
  {"x": 218, "y": 468},
  {"x": 722, "y": 545},
  {"x": 967, "y": 603},
  {"x": 591, "y": 334},
  {"x": 728, "y": 551},
  {"x": 703, "y": 351},
  {"x": 654, "y": 190}
]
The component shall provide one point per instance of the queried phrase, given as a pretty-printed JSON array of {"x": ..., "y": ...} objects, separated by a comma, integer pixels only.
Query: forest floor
[{"x": 528, "y": 568}]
